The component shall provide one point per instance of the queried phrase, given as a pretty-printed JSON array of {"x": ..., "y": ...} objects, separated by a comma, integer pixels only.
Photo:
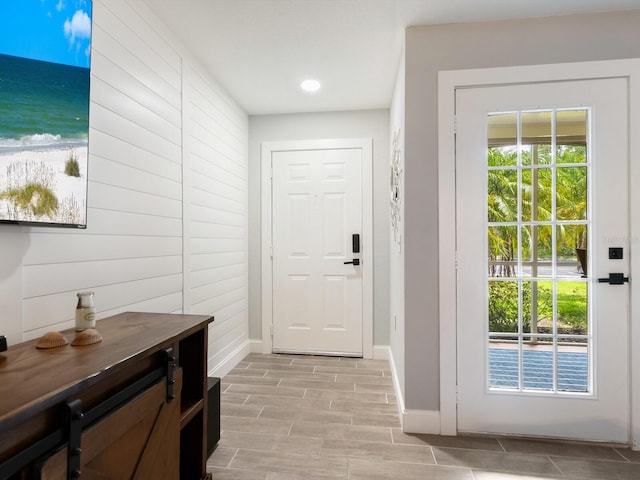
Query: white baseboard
[
  {"x": 421, "y": 421},
  {"x": 255, "y": 346},
  {"x": 381, "y": 352},
  {"x": 413, "y": 421},
  {"x": 396, "y": 383},
  {"x": 230, "y": 361}
]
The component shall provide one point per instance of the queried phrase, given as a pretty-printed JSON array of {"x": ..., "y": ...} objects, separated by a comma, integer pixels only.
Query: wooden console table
[{"x": 133, "y": 406}]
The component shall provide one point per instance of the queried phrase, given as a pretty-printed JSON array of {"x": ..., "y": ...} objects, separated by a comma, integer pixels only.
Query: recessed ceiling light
[{"x": 310, "y": 86}]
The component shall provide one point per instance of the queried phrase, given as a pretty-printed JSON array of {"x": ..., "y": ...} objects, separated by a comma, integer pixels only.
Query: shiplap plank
[
  {"x": 111, "y": 197},
  {"x": 208, "y": 127},
  {"x": 113, "y": 73},
  {"x": 200, "y": 197},
  {"x": 218, "y": 259},
  {"x": 226, "y": 346},
  {"x": 209, "y": 172},
  {"x": 218, "y": 357},
  {"x": 50, "y": 309},
  {"x": 220, "y": 274},
  {"x": 232, "y": 288},
  {"x": 213, "y": 186},
  {"x": 199, "y": 246},
  {"x": 110, "y": 97},
  {"x": 206, "y": 155},
  {"x": 225, "y": 325},
  {"x": 113, "y": 222},
  {"x": 119, "y": 151},
  {"x": 165, "y": 304},
  {"x": 216, "y": 136},
  {"x": 224, "y": 283},
  {"x": 171, "y": 303},
  {"x": 214, "y": 230},
  {"x": 209, "y": 214},
  {"x": 117, "y": 126},
  {"x": 53, "y": 247},
  {"x": 154, "y": 32},
  {"x": 119, "y": 20},
  {"x": 117, "y": 174},
  {"x": 90, "y": 275},
  {"x": 224, "y": 339},
  {"x": 219, "y": 308},
  {"x": 235, "y": 118}
]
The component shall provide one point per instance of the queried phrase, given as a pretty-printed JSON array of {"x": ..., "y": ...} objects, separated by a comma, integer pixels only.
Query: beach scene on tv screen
[{"x": 45, "y": 51}]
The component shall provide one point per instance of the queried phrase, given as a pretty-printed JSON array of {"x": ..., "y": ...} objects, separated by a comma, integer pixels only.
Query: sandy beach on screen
[{"x": 55, "y": 158}]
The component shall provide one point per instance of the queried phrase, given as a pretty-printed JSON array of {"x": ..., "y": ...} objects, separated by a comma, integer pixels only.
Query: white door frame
[
  {"x": 367, "y": 231},
  {"x": 448, "y": 82}
]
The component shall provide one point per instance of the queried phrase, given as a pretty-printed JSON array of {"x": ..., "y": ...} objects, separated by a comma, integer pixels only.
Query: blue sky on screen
[{"x": 56, "y": 31}]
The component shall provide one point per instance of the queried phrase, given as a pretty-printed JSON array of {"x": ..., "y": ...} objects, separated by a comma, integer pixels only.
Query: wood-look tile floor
[{"x": 293, "y": 417}]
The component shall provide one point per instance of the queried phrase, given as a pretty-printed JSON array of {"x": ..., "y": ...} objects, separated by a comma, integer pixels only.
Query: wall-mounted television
[{"x": 45, "y": 58}]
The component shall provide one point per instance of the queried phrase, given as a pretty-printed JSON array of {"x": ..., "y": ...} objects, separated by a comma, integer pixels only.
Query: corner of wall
[{"x": 396, "y": 241}]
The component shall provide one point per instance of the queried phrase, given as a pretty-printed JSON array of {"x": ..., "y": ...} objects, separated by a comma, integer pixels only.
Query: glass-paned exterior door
[
  {"x": 538, "y": 328},
  {"x": 541, "y": 198}
]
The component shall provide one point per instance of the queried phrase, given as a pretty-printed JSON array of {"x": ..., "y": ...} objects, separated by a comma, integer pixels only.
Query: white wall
[
  {"x": 431, "y": 49},
  {"x": 356, "y": 124},
  {"x": 167, "y": 226},
  {"x": 396, "y": 254},
  {"x": 215, "y": 216}
]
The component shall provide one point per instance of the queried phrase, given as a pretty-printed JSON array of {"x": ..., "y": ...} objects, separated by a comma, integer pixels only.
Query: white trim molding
[
  {"x": 229, "y": 362},
  {"x": 255, "y": 346},
  {"x": 413, "y": 421},
  {"x": 366, "y": 144},
  {"x": 448, "y": 82},
  {"x": 421, "y": 421},
  {"x": 381, "y": 352}
]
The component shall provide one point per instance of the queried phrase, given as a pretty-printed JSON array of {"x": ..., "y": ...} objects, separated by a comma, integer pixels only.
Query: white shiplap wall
[
  {"x": 167, "y": 207},
  {"x": 215, "y": 213}
]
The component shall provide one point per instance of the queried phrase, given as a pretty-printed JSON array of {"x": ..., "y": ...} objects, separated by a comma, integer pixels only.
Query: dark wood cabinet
[{"x": 133, "y": 406}]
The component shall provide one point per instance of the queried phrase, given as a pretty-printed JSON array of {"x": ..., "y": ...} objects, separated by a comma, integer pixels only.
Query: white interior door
[
  {"x": 541, "y": 178},
  {"x": 316, "y": 210}
]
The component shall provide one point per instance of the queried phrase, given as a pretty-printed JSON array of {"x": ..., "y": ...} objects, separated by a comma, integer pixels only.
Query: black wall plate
[{"x": 615, "y": 253}]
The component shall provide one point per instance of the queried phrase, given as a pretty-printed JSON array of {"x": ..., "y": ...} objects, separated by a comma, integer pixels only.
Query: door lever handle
[
  {"x": 614, "y": 279},
  {"x": 355, "y": 261}
]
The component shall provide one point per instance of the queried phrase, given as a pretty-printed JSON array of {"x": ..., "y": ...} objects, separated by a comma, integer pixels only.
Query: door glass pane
[
  {"x": 504, "y": 370},
  {"x": 536, "y": 194},
  {"x": 537, "y": 307},
  {"x": 538, "y": 296},
  {"x": 537, "y": 363},
  {"x": 536, "y": 138},
  {"x": 573, "y": 364},
  {"x": 503, "y": 140},
  {"x": 504, "y": 312},
  {"x": 571, "y": 241},
  {"x": 571, "y": 136},
  {"x": 572, "y": 308},
  {"x": 537, "y": 250},
  {"x": 502, "y": 188},
  {"x": 571, "y": 193},
  {"x": 503, "y": 250}
]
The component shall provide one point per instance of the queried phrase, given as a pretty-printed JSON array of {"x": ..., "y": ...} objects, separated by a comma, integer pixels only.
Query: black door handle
[
  {"x": 355, "y": 261},
  {"x": 614, "y": 279}
]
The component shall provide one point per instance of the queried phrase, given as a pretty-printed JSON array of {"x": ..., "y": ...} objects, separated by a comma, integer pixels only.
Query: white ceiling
[{"x": 260, "y": 50}]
